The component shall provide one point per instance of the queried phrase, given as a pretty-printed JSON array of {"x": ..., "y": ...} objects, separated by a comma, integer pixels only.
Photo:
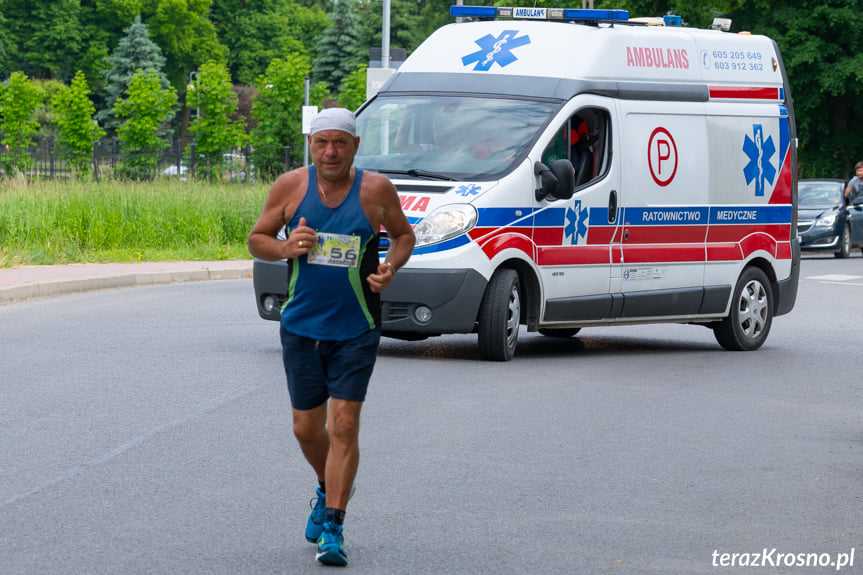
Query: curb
[{"x": 107, "y": 281}]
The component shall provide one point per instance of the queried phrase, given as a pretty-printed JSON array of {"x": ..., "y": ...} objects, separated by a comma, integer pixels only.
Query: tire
[
  {"x": 845, "y": 245},
  {"x": 559, "y": 332},
  {"x": 751, "y": 314},
  {"x": 499, "y": 316}
]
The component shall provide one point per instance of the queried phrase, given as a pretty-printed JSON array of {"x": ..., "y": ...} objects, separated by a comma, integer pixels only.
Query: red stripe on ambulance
[{"x": 744, "y": 92}]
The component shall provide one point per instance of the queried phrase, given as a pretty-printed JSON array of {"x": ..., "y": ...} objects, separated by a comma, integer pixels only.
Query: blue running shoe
[
  {"x": 315, "y": 524},
  {"x": 331, "y": 549}
]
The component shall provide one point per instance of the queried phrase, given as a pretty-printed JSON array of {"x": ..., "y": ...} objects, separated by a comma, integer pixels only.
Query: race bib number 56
[{"x": 336, "y": 250}]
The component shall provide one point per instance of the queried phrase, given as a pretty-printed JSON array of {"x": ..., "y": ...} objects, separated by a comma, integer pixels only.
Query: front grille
[{"x": 803, "y": 226}]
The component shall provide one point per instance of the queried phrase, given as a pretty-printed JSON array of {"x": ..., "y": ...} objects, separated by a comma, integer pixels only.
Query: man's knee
[
  {"x": 309, "y": 425},
  {"x": 344, "y": 421},
  {"x": 305, "y": 432}
]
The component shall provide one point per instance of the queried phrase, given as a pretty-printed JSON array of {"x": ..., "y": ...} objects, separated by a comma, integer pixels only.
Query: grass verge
[{"x": 57, "y": 222}]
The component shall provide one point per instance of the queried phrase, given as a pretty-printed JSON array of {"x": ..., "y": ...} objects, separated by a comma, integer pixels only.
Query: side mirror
[{"x": 558, "y": 181}]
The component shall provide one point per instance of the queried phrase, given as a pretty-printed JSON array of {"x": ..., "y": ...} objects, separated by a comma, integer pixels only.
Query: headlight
[
  {"x": 444, "y": 223},
  {"x": 826, "y": 221}
]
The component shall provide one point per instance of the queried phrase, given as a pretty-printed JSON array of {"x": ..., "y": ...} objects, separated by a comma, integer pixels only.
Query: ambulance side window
[
  {"x": 583, "y": 140},
  {"x": 588, "y": 130}
]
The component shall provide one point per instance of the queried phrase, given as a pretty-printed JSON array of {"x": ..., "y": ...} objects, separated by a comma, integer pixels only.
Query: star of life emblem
[
  {"x": 495, "y": 50},
  {"x": 575, "y": 227},
  {"x": 760, "y": 151}
]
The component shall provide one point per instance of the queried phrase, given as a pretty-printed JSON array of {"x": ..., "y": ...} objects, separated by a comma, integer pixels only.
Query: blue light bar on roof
[
  {"x": 473, "y": 11},
  {"x": 599, "y": 15},
  {"x": 522, "y": 13}
]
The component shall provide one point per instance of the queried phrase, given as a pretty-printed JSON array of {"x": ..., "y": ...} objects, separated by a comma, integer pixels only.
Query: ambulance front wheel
[
  {"x": 499, "y": 316},
  {"x": 751, "y": 315}
]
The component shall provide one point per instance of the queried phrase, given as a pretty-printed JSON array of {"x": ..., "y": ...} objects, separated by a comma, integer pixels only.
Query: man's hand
[
  {"x": 379, "y": 281},
  {"x": 301, "y": 240}
]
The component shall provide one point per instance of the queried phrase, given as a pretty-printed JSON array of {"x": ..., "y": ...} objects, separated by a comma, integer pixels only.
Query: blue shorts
[{"x": 318, "y": 370}]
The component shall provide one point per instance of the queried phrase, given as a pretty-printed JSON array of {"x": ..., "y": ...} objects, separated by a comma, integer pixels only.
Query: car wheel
[
  {"x": 499, "y": 316},
  {"x": 560, "y": 332},
  {"x": 845, "y": 245},
  {"x": 751, "y": 314}
]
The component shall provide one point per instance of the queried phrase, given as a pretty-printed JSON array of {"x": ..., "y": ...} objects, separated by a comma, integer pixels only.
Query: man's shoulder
[
  {"x": 377, "y": 181},
  {"x": 297, "y": 174},
  {"x": 292, "y": 181}
]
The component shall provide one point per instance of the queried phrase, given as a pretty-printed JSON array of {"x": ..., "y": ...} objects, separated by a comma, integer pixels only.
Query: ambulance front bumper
[
  {"x": 418, "y": 304},
  {"x": 425, "y": 302}
]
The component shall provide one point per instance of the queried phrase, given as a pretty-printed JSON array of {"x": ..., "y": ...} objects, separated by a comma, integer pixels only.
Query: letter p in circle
[{"x": 662, "y": 156}]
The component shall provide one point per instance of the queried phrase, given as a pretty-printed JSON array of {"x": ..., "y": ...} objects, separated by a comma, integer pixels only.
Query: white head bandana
[{"x": 334, "y": 119}]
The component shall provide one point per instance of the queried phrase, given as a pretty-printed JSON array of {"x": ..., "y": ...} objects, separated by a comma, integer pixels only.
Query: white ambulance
[{"x": 567, "y": 168}]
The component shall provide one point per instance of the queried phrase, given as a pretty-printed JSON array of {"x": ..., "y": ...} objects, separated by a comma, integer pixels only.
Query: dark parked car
[{"x": 825, "y": 223}]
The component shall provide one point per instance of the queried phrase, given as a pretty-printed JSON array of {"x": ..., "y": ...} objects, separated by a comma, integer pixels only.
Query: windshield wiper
[{"x": 419, "y": 174}]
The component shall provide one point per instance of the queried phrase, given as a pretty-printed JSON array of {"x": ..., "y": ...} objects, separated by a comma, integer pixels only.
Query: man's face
[
  {"x": 333, "y": 153},
  {"x": 859, "y": 173}
]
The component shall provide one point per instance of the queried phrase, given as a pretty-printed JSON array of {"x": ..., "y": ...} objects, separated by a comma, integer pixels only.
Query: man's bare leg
[
  {"x": 310, "y": 429},
  {"x": 343, "y": 421}
]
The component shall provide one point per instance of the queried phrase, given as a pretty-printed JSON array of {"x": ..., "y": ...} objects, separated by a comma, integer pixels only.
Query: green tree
[
  {"x": 338, "y": 48},
  {"x": 46, "y": 36},
  {"x": 184, "y": 32},
  {"x": 352, "y": 92},
  {"x": 433, "y": 15},
  {"x": 78, "y": 131},
  {"x": 136, "y": 51},
  {"x": 44, "y": 113},
  {"x": 146, "y": 107},
  {"x": 258, "y": 31},
  {"x": 697, "y": 14},
  {"x": 103, "y": 25},
  {"x": 18, "y": 102},
  {"x": 7, "y": 43},
  {"x": 215, "y": 132},
  {"x": 278, "y": 110},
  {"x": 823, "y": 55},
  {"x": 409, "y": 23}
]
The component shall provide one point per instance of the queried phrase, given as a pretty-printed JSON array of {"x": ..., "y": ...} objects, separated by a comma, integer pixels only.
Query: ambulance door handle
[{"x": 612, "y": 206}]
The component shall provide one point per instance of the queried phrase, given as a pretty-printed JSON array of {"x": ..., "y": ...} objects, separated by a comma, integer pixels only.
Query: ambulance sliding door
[
  {"x": 574, "y": 236},
  {"x": 664, "y": 208}
]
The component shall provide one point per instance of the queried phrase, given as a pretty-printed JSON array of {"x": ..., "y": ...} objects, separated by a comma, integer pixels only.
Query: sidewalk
[{"x": 39, "y": 281}]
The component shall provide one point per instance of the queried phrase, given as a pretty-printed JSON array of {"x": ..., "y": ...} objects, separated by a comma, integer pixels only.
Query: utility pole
[
  {"x": 385, "y": 36},
  {"x": 305, "y": 138}
]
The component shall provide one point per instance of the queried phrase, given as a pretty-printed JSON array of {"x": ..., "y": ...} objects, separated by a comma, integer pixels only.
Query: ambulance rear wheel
[
  {"x": 751, "y": 315},
  {"x": 499, "y": 316},
  {"x": 563, "y": 332}
]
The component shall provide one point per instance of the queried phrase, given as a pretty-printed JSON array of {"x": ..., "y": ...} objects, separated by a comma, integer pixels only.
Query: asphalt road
[{"x": 146, "y": 430}]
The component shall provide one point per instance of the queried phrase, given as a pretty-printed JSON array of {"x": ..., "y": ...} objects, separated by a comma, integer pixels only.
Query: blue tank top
[{"x": 328, "y": 296}]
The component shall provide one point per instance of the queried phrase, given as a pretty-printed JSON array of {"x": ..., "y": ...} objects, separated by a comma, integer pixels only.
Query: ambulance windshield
[{"x": 448, "y": 137}]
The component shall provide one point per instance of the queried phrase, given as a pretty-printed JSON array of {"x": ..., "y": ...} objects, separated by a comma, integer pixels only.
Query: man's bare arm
[
  {"x": 278, "y": 209},
  {"x": 400, "y": 233}
]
